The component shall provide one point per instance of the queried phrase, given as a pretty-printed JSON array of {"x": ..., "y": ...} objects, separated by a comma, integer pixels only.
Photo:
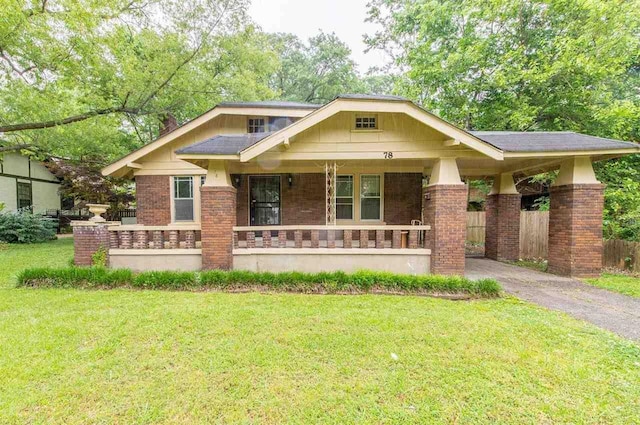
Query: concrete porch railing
[
  {"x": 137, "y": 247},
  {"x": 324, "y": 248}
]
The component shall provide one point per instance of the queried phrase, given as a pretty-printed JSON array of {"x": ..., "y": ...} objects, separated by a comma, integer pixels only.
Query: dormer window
[
  {"x": 256, "y": 125},
  {"x": 366, "y": 122}
]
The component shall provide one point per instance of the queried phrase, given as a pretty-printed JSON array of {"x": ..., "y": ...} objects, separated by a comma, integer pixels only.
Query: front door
[{"x": 264, "y": 200}]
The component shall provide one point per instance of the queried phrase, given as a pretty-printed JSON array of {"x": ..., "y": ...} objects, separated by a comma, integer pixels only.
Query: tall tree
[
  {"x": 527, "y": 65},
  {"x": 85, "y": 78},
  {"x": 315, "y": 71},
  {"x": 518, "y": 64}
]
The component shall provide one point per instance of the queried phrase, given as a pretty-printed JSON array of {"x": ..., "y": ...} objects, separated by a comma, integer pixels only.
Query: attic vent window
[
  {"x": 366, "y": 122},
  {"x": 256, "y": 125}
]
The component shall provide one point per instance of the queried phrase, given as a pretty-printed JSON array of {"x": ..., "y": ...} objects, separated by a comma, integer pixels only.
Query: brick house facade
[{"x": 379, "y": 147}]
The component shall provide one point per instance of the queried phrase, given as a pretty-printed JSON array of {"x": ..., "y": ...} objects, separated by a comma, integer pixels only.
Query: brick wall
[
  {"x": 503, "y": 227},
  {"x": 153, "y": 199},
  {"x": 87, "y": 239},
  {"x": 402, "y": 197},
  {"x": 302, "y": 203},
  {"x": 218, "y": 209},
  {"x": 445, "y": 209},
  {"x": 575, "y": 230}
]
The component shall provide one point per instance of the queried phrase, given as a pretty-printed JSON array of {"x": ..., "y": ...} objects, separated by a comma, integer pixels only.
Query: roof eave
[{"x": 591, "y": 152}]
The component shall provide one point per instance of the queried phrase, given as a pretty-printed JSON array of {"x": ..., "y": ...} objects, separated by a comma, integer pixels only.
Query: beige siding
[
  {"x": 17, "y": 165},
  {"x": 39, "y": 171},
  {"x": 164, "y": 161},
  {"x": 45, "y": 196},
  {"x": 397, "y": 133},
  {"x": 8, "y": 195}
]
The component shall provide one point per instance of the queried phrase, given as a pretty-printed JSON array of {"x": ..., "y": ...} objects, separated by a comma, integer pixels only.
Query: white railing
[
  {"x": 154, "y": 237},
  {"x": 330, "y": 237}
]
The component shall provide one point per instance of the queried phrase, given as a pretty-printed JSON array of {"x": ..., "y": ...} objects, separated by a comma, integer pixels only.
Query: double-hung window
[
  {"x": 344, "y": 198},
  {"x": 370, "y": 197},
  {"x": 183, "y": 198}
]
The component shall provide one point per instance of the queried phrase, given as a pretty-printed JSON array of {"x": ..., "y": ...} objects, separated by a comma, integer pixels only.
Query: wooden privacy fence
[
  {"x": 534, "y": 240},
  {"x": 622, "y": 254},
  {"x": 534, "y": 232}
]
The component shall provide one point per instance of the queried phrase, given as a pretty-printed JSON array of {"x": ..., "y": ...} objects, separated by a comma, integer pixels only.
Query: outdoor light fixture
[
  {"x": 290, "y": 179},
  {"x": 236, "y": 181}
]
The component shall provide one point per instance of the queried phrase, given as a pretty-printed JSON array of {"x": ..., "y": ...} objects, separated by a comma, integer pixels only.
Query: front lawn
[
  {"x": 624, "y": 284},
  {"x": 17, "y": 257},
  {"x": 124, "y": 356}
]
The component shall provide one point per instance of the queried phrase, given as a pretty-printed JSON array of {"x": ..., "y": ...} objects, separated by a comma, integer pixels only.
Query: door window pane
[
  {"x": 344, "y": 197},
  {"x": 264, "y": 200},
  {"x": 183, "y": 198},
  {"x": 370, "y": 197}
]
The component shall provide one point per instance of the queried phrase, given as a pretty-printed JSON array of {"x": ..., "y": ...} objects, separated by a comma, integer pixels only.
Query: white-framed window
[
  {"x": 344, "y": 197},
  {"x": 183, "y": 198},
  {"x": 370, "y": 197},
  {"x": 256, "y": 125},
  {"x": 366, "y": 122}
]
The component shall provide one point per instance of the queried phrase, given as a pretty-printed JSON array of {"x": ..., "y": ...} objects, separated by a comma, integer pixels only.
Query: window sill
[{"x": 367, "y": 130}]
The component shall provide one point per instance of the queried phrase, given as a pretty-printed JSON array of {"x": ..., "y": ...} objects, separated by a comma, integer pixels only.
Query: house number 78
[{"x": 388, "y": 155}]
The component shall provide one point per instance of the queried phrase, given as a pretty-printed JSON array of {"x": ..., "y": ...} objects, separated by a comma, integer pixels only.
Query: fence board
[
  {"x": 475, "y": 226},
  {"x": 622, "y": 254},
  {"x": 534, "y": 232}
]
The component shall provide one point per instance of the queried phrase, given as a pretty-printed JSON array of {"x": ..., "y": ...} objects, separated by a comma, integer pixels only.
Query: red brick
[
  {"x": 153, "y": 200},
  {"x": 87, "y": 240},
  {"x": 503, "y": 227},
  {"x": 218, "y": 211},
  {"x": 575, "y": 230},
  {"x": 445, "y": 210}
]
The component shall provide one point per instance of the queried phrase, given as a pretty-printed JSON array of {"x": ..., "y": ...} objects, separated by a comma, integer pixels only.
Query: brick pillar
[
  {"x": 445, "y": 210},
  {"x": 88, "y": 237},
  {"x": 502, "y": 239},
  {"x": 575, "y": 229},
  {"x": 218, "y": 212}
]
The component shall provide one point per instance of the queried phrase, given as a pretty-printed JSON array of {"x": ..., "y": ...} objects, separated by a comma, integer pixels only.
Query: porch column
[
  {"x": 502, "y": 235},
  {"x": 575, "y": 220},
  {"x": 218, "y": 216},
  {"x": 445, "y": 209}
]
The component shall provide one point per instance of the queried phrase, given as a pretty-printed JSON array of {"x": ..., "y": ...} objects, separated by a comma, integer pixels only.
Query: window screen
[
  {"x": 183, "y": 198},
  {"x": 344, "y": 198},
  {"x": 370, "y": 197}
]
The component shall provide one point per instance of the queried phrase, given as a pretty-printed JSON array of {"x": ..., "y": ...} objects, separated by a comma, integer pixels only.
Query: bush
[
  {"x": 25, "y": 227},
  {"x": 327, "y": 282}
]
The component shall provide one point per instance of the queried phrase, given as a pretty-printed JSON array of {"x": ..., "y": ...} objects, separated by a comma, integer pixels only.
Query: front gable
[
  {"x": 406, "y": 123},
  {"x": 396, "y": 135}
]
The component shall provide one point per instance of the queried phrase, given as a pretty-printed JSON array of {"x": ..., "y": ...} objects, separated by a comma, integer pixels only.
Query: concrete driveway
[{"x": 609, "y": 310}]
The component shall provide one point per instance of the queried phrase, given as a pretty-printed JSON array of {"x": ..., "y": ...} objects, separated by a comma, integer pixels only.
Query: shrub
[
  {"x": 25, "y": 227},
  {"x": 99, "y": 257},
  {"x": 326, "y": 282}
]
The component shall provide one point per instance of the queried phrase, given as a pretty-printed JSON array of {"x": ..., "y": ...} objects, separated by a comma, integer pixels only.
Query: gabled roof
[
  {"x": 549, "y": 141},
  {"x": 371, "y": 103},
  {"x": 274, "y": 108}
]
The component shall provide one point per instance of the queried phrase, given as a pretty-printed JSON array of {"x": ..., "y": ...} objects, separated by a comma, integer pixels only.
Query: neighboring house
[
  {"x": 361, "y": 182},
  {"x": 25, "y": 183}
]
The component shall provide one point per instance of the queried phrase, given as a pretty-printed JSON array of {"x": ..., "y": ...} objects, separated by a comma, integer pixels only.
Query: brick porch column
[
  {"x": 88, "y": 237},
  {"x": 502, "y": 235},
  {"x": 445, "y": 209},
  {"x": 575, "y": 221},
  {"x": 218, "y": 216}
]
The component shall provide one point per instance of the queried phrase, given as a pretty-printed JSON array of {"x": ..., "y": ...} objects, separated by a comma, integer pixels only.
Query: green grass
[
  {"x": 624, "y": 284},
  {"x": 238, "y": 280},
  {"x": 121, "y": 356},
  {"x": 17, "y": 257}
]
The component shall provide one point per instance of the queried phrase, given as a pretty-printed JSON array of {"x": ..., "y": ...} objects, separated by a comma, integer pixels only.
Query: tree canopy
[{"x": 81, "y": 78}]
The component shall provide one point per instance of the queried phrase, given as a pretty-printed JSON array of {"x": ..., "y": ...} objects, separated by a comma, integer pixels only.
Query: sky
[{"x": 305, "y": 18}]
